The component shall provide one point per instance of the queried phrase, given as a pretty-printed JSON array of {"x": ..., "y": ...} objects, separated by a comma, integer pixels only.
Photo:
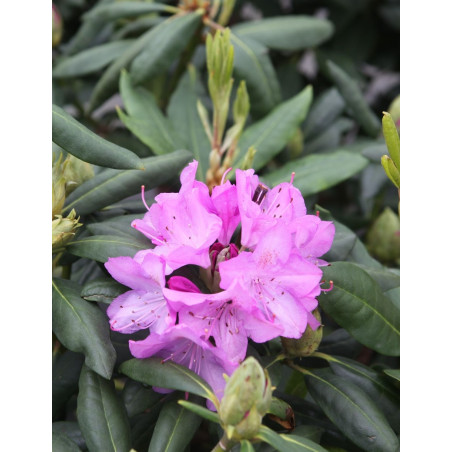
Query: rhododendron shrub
[{"x": 225, "y": 226}]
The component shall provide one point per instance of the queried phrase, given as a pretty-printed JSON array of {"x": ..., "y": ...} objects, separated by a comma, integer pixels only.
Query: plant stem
[{"x": 225, "y": 444}]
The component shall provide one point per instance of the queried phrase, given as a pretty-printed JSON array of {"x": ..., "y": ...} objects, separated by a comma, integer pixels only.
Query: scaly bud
[
  {"x": 383, "y": 238},
  {"x": 63, "y": 229},
  {"x": 247, "y": 398},
  {"x": 307, "y": 344},
  {"x": 76, "y": 172}
]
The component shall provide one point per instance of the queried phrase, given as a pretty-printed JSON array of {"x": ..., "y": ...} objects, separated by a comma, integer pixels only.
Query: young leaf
[
  {"x": 154, "y": 372},
  {"x": 79, "y": 141},
  {"x": 270, "y": 134},
  {"x": 120, "y": 10},
  {"x": 315, "y": 173},
  {"x": 174, "y": 429},
  {"x": 90, "y": 60},
  {"x": 392, "y": 138},
  {"x": 101, "y": 414},
  {"x": 246, "y": 446},
  {"x": 352, "y": 410},
  {"x": 111, "y": 185},
  {"x": 183, "y": 114},
  {"x": 252, "y": 64},
  {"x": 200, "y": 411},
  {"x": 286, "y": 33},
  {"x": 82, "y": 327},
  {"x": 355, "y": 100},
  {"x": 101, "y": 247},
  {"x": 288, "y": 443},
  {"x": 168, "y": 41},
  {"x": 357, "y": 304}
]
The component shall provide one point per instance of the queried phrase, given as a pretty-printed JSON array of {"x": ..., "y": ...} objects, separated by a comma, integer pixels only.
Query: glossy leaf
[
  {"x": 200, "y": 411},
  {"x": 79, "y": 141},
  {"x": 358, "y": 304},
  {"x": 103, "y": 290},
  {"x": 252, "y": 64},
  {"x": 286, "y": 32},
  {"x": 145, "y": 119},
  {"x": 90, "y": 60},
  {"x": 120, "y": 10},
  {"x": 354, "y": 99},
  {"x": 270, "y": 134},
  {"x": 315, "y": 173},
  {"x": 174, "y": 429},
  {"x": 154, "y": 372},
  {"x": 288, "y": 443},
  {"x": 325, "y": 109},
  {"x": 352, "y": 411},
  {"x": 111, "y": 185},
  {"x": 61, "y": 443},
  {"x": 385, "y": 278},
  {"x": 101, "y": 247},
  {"x": 346, "y": 244},
  {"x": 101, "y": 414},
  {"x": 169, "y": 39},
  {"x": 82, "y": 327},
  {"x": 183, "y": 114}
]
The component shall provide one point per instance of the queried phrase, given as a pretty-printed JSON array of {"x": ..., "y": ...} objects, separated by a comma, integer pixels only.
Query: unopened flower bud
[
  {"x": 63, "y": 229},
  {"x": 218, "y": 253},
  {"x": 383, "y": 238},
  {"x": 307, "y": 344},
  {"x": 76, "y": 172},
  {"x": 57, "y": 26},
  {"x": 246, "y": 400}
]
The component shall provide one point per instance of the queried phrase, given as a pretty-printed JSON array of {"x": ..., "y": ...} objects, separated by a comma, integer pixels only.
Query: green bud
[
  {"x": 307, "y": 344},
  {"x": 247, "y": 398},
  {"x": 383, "y": 238},
  {"x": 76, "y": 172},
  {"x": 58, "y": 186},
  {"x": 63, "y": 229},
  {"x": 392, "y": 138},
  {"x": 391, "y": 171},
  {"x": 57, "y": 26}
]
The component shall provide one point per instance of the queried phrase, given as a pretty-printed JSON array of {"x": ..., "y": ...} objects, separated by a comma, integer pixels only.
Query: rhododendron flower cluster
[{"x": 258, "y": 255}]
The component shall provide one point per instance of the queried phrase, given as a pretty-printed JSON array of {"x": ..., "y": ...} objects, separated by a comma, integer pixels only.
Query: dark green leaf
[
  {"x": 252, "y": 64},
  {"x": 312, "y": 432},
  {"x": 101, "y": 414},
  {"x": 112, "y": 185},
  {"x": 288, "y": 443},
  {"x": 287, "y": 32},
  {"x": 325, "y": 109},
  {"x": 120, "y": 10},
  {"x": 71, "y": 430},
  {"x": 271, "y": 134},
  {"x": 154, "y": 372},
  {"x": 138, "y": 398},
  {"x": 346, "y": 245},
  {"x": 146, "y": 120},
  {"x": 101, "y": 247},
  {"x": 373, "y": 384},
  {"x": 174, "y": 429},
  {"x": 103, "y": 290},
  {"x": 393, "y": 373},
  {"x": 352, "y": 410},
  {"x": 90, "y": 60},
  {"x": 354, "y": 99},
  {"x": 200, "y": 411},
  {"x": 183, "y": 114},
  {"x": 339, "y": 342},
  {"x": 385, "y": 278},
  {"x": 169, "y": 39},
  {"x": 315, "y": 173},
  {"x": 79, "y": 141},
  {"x": 394, "y": 296},
  {"x": 82, "y": 327},
  {"x": 61, "y": 443},
  {"x": 357, "y": 304}
]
